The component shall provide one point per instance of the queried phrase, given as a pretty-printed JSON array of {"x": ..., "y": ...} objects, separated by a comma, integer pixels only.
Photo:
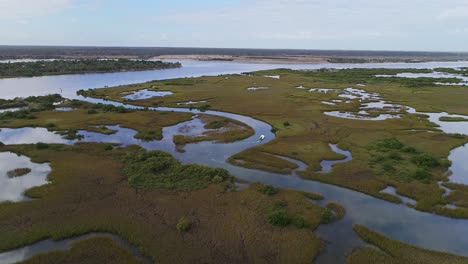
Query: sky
[{"x": 422, "y": 25}]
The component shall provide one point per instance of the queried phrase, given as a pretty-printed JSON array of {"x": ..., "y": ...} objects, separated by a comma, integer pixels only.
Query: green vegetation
[
  {"x": 40, "y": 68},
  {"x": 91, "y": 251},
  {"x": 453, "y": 119},
  {"x": 18, "y": 172},
  {"x": 389, "y": 251},
  {"x": 98, "y": 198},
  {"x": 184, "y": 224},
  {"x": 159, "y": 170},
  {"x": 267, "y": 189},
  {"x": 403, "y": 162},
  {"x": 28, "y": 105}
]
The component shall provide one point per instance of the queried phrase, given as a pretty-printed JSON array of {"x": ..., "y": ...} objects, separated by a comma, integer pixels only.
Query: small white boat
[{"x": 262, "y": 137}]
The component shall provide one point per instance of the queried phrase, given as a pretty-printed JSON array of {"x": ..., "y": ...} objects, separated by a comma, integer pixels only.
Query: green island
[
  {"x": 55, "y": 67},
  {"x": 18, "y": 172},
  {"x": 453, "y": 119}
]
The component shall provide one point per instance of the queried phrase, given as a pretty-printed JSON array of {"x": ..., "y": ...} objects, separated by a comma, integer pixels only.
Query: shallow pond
[
  {"x": 146, "y": 94},
  {"x": 12, "y": 189}
]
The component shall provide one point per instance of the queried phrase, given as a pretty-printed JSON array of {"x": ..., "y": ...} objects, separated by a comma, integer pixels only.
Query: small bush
[
  {"x": 279, "y": 218},
  {"x": 425, "y": 161},
  {"x": 217, "y": 179},
  {"x": 274, "y": 130},
  {"x": 300, "y": 222},
  {"x": 268, "y": 190},
  {"x": 422, "y": 175},
  {"x": 408, "y": 149},
  {"x": 280, "y": 204},
  {"x": 327, "y": 216},
  {"x": 395, "y": 156},
  {"x": 286, "y": 123},
  {"x": 388, "y": 144},
  {"x": 184, "y": 224},
  {"x": 108, "y": 147},
  {"x": 41, "y": 145}
]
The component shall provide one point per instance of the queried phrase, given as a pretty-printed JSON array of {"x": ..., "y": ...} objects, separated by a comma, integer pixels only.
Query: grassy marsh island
[
  {"x": 18, "y": 172},
  {"x": 56, "y": 67}
]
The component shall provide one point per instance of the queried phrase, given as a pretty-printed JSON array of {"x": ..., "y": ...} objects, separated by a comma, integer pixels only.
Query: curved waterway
[{"x": 394, "y": 220}]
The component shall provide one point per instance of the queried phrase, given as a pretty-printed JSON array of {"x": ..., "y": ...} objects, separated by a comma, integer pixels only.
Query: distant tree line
[{"x": 40, "y": 68}]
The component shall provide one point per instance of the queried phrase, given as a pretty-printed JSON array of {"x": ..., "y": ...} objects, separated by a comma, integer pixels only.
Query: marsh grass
[
  {"x": 98, "y": 198},
  {"x": 91, "y": 251},
  {"x": 386, "y": 250}
]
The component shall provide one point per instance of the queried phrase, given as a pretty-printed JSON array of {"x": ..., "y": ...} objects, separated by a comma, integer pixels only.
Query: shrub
[
  {"x": 268, "y": 190},
  {"x": 395, "y": 156},
  {"x": 280, "y": 204},
  {"x": 388, "y": 143},
  {"x": 425, "y": 161},
  {"x": 300, "y": 222},
  {"x": 408, "y": 149},
  {"x": 217, "y": 179},
  {"x": 274, "y": 130},
  {"x": 286, "y": 123},
  {"x": 41, "y": 145},
  {"x": 279, "y": 218},
  {"x": 327, "y": 216},
  {"x": 184, "y": 224},
  {"x": 108, "y": 147},
  {"x": 422, "y": 175}
]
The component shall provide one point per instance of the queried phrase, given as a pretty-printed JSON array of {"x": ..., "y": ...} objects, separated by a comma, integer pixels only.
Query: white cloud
[
  {"x": 459, "y": 12},
  {"x": 22, "y": 10}
]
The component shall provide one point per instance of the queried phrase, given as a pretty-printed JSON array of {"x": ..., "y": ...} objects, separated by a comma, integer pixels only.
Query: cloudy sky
[{"x": 431, "y": 25}]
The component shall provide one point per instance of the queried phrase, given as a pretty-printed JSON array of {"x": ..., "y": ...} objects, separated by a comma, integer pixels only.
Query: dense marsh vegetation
[{"x": 40, "y": 68}]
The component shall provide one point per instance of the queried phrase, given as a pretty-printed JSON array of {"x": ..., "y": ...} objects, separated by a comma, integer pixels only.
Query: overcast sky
[{"x": 432, "y": 25}]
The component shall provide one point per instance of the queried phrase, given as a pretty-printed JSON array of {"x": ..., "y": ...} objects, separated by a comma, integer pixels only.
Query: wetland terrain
[{"x": 360, "y": 163}]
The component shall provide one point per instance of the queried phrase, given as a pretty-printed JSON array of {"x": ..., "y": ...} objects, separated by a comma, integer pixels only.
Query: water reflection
[{"x": 12, "y": 189}]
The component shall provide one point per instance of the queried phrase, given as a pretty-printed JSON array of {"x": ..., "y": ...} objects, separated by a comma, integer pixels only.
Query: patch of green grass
[
  {"x": 159, "y": 170},
  {"x": 91, "y": 251},
  {"x": 392, "y": 251}
]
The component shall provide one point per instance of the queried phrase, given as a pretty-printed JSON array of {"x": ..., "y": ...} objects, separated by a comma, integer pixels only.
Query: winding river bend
[{"x": 396, "y": 221}]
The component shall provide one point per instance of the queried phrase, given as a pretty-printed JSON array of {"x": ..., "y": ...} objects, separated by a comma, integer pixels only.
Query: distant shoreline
[{"x": 283, "y": 56}]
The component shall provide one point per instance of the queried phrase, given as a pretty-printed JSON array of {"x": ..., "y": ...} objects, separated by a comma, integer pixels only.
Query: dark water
[{"x": 396, "y": 221}]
